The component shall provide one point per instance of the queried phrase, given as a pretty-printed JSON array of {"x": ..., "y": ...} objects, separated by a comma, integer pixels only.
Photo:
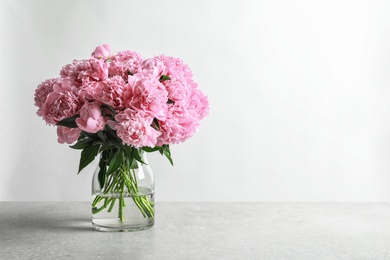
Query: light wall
[{"x": 299, "y": 94}]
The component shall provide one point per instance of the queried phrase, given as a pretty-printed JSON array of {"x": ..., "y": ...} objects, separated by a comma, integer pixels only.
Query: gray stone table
[{"x": 61, "y": 230}]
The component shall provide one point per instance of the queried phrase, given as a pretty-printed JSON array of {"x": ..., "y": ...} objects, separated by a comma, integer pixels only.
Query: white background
[{"x": 299, "y": 95}]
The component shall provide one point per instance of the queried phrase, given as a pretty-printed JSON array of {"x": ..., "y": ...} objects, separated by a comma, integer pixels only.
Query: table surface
[{"x": 201, "y": 230}]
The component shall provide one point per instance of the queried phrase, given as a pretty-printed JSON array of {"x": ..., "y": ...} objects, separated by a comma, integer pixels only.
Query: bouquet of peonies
[{"x": 119, "y": 106}]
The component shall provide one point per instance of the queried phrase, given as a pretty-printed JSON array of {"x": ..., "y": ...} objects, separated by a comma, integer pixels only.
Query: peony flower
[
  {"x": 59, "y": 104},
  {"x": 74, "y": 71},
  {"x": 147, "y": 94},
  {"x": 123, "y": 63},
  {"x": 111, "y": 92},
  {"x": 67, "y": 135},
  {"x": 179, "y": 125},
  {"x": 89, "y": 89},
  {"x": 102, "y": 52},
  {"x": 84, "y": 73},
  {"x": 133, "y": 128},
  {"x": 177, "y": 89},
  {"x": 91, "y": 119},
  {"x": 42, "y": 91},
  {"x": 98, "y": 70},
  {"x": 198, "y": 103},
  {"x": 152, "y": 67},
  {"x": 175, "y": 68},
  {"x": 180, "y": 84}
]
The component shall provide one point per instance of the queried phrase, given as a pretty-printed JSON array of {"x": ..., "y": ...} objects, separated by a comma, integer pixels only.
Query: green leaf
[
  {"x": 102, "y": 172},
  {"x": 133, "y": 164},
  {"x": 137, "y": 156},
  {"x": 107, "y": 146},
  {"x": 82, "y": 143},
  {"x": 115, "y": 162},
  {"x": 88, "y": 155},
  {"x": 69, "y": 122},
  {"x": 89, "y": 135},
  {"x": 112, "y": 137},
  {"x": 127, "y": 150},
  {"x": 167, "y": 153},
  {"x": 101, "y": 136},
  {"x": 164, "y": 77},
  {"x": 150, "y": 149}
]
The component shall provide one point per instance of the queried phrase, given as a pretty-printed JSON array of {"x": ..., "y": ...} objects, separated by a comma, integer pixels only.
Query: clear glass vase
[{"x": 124, "y": 199}]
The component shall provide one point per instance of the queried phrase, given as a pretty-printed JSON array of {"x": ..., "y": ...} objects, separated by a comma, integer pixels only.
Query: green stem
[
  {"x": 121, "y": 203},
  {"x": 123, "y": 180},
  {"x": 112, "y": 204}
]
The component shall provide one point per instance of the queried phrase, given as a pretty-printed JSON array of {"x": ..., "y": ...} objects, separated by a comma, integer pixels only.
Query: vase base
[{"x": 117, "y": 226}]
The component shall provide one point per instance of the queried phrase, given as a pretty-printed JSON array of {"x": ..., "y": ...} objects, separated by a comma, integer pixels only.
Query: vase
[{"x": 124, "y": 199}]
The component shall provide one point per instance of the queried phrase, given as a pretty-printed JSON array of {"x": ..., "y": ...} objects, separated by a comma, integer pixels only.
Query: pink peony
[
  {"x": 91, "y": 119},
  {"x": 84, "y": 73},
  {"x": 123, "y": 63},
  {"x": 74, "y": 71},
  {"x": 111, "y": 92},
  {"x": 98, "y": 70},
  {"x": 152, "y": 67},
  {"x": 179, "y": 125},
  {"x": 67, "y": 135},
  {"x": 42, "y": 91},
  {"x": 198, "y": 103},
  {"x": 177, "y": 89},
  {"x": 89, "y": 89},
  {"x": 133, "y": 128},
  {"x": 181, "y": 83},
  {"x": 60, "y": 104},
  {"x": 175, "y": 68},
  {"x": 102, "y": 52},
  {"x": 146, "y": 94}
]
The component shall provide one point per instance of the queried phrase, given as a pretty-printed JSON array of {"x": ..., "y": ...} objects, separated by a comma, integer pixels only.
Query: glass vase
[{"x": 124, "y": 199}]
